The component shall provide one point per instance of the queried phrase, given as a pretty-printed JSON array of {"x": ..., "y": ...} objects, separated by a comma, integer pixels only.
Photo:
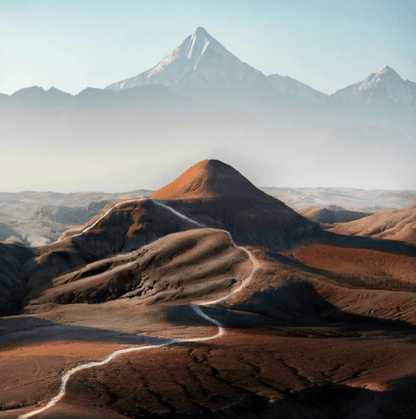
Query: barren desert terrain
[{"x": 211, "y": 299}]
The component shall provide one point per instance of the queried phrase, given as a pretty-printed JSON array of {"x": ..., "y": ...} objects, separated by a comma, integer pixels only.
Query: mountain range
[
  {"x": 203, "y": 66},
  {"x": 201, "y": 97}
]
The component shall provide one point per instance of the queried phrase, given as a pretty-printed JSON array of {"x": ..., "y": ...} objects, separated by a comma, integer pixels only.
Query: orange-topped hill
[
  {"x": 209, "y": 179},
  {"x": 216, "y": 195}
]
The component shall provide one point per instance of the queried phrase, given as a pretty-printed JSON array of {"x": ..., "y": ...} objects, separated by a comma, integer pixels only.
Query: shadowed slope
[{"x": 13, "y": 286}]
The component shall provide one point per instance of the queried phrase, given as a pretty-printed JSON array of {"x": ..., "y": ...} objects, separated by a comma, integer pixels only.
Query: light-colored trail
[
  {"x": 195, "y": 306},
  {"x": 105, "y": 215}
]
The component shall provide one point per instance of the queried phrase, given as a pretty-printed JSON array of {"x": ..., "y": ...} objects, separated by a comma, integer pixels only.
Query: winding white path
[
  {"x": 195, "y": 306},
  {"x": 249, "y": 254}
]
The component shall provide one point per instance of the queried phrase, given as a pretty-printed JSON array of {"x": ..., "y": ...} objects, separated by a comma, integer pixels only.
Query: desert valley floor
[{"x": 222, "y": 301}]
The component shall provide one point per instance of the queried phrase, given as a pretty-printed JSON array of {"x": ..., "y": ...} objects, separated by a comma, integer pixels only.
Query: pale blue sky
[{"x": 327, "y": 44}]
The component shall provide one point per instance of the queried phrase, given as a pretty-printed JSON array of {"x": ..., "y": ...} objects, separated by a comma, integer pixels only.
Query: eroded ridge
[{"x": 195, "y": 306}]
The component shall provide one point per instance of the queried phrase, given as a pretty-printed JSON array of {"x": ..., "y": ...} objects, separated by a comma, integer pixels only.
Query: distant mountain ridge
[
  {"x": 201, "y": 61},
  {"x": 201, "y": 64}
]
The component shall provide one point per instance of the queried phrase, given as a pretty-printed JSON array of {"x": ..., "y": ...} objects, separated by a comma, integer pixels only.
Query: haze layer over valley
[{"x": 199, "y": 101}]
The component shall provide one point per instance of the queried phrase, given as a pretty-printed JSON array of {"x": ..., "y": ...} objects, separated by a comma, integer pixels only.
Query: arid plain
[{"x": 224, "y": 303}]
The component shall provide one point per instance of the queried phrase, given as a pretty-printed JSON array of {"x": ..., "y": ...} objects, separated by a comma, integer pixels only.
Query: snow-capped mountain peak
[
  {"x": 187, "y": 55},
  {"x": 384, "y": 75},
  {"x": 200, "y": 60},
  {"x": 200, "y": 40},
  {"x": 386, "y": 70},
  {"x": 383, "y": 87}
]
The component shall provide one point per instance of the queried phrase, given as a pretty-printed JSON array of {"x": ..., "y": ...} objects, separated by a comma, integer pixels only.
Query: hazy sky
[
  {"x": 74, "y": 44},
  {"x": 327, "y": 44}
]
